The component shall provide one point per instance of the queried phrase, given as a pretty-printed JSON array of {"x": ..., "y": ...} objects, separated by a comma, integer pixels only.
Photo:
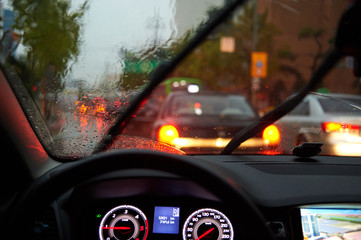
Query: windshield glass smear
[{"x": 99, "y": 57}]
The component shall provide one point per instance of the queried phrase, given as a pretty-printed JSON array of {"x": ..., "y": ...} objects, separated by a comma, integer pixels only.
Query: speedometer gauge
[
  {"x": 124, "y": 222},
  {"x": 207, "y": 224}
]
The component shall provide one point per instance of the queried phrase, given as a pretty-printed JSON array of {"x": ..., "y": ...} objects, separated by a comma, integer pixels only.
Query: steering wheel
[{"x": 212, "y": 177}]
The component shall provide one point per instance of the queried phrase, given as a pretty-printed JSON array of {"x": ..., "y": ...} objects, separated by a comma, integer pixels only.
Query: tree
[
  {"x": 315, "y": 35},
  {"x": 287, "y": 66},
  {"x": 51, "y": 36},
  {"x": 50, "y": 33}
]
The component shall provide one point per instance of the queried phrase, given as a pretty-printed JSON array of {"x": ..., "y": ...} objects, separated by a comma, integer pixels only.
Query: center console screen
[{"x": 331, "y": 222}]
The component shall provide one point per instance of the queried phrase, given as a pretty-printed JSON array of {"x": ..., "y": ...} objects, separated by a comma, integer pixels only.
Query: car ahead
[
  {"x": 331, "y": 119},
  {"x": 67, "y": 175},
  {"x": 207, "y": 121},
  {"x": 98, "y": 106}
]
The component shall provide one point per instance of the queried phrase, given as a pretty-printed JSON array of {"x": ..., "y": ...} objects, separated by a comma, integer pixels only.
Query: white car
[{"x": 331, "y": 119}]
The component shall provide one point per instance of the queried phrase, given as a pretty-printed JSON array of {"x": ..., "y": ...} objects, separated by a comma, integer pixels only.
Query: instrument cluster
[
  {"x": 149, "y": 208},
  {"x": 127, "y": 222}
]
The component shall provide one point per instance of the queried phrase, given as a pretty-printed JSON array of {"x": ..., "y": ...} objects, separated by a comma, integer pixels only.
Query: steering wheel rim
[{"x": 55, "y": 182}]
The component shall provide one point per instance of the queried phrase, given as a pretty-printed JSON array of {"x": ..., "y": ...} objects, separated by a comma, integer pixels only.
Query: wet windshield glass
[{"x": 84, "y": 62}]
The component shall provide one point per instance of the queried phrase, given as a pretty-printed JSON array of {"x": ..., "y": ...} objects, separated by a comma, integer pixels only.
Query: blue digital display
[{"x": 166, "y": 220}]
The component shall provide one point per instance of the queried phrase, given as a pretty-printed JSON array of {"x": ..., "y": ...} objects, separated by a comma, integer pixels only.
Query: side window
[{"x": 303, "y": 109}]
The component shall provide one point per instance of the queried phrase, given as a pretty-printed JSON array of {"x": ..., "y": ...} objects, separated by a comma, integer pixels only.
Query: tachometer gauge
[
  {"x": 124, "y": 222},
  {"x": 207, "y": 224}
]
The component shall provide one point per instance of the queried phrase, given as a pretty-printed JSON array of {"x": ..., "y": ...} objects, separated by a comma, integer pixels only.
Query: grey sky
[{"x": 112, "y": 24}]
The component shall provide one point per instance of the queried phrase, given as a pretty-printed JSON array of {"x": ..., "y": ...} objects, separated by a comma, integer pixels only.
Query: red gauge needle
[
  {"x": 117, "y": 228},
  {"x": 204, "y": 234}
]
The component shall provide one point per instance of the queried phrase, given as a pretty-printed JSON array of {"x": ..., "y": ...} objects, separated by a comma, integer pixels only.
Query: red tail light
[
  {"x": 271, "y": 134},
  {"x": 100, "y": 108},
  {"x": 338, "y": 127},
  {"x": 83, "y": 109},
  {"x": 167, "y": 134}
]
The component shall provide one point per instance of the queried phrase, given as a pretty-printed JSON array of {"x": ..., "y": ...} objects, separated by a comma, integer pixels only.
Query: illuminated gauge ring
[
  {"x": 207, "y": 224},
  {"x": 124, "y": 222}
]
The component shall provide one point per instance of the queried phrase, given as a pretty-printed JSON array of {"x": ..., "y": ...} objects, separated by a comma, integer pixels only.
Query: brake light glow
[
  {"x": 338, "y": 127},
  {"x": 83, "y": 109},
  {"x": 271, "y": 134},
  {"x": 100, "y": 108},
  {"x": 167, "y": 134}
]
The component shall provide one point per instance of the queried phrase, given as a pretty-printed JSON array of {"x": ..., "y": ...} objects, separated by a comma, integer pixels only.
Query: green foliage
[
  {"x": 315, "y": 34},
  {"x": 311, "y": 33},
  {"x": 51, "y": 34},
  {"x": 285, "y": 53}
]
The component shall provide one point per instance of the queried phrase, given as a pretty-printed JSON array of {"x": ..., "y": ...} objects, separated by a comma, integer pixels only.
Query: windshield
[{"x": 83, "y": 63}]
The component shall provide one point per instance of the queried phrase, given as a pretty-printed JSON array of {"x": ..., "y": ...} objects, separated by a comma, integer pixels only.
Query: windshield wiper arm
[
  {"x": 284, "y": 107},
  {"x": 162, "y": 72}
]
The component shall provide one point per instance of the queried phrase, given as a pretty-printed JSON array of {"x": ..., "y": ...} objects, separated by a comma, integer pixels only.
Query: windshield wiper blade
[
  {"x": 283, "y": 108},
  {"x": 162, "y": 72}
]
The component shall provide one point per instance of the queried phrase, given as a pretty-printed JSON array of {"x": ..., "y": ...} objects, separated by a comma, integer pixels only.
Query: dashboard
[
  {"x": 299, "y": 199},
  {"x": 149, "y": 208}
]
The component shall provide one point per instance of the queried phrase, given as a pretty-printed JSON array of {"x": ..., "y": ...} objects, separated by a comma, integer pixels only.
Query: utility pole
[
  {"x": 255, "y": 26},
  {"x": 255, "y": 81}
]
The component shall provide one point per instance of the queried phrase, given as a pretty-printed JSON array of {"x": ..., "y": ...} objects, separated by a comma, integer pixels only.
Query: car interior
[{"x": 160, "y": 193}]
